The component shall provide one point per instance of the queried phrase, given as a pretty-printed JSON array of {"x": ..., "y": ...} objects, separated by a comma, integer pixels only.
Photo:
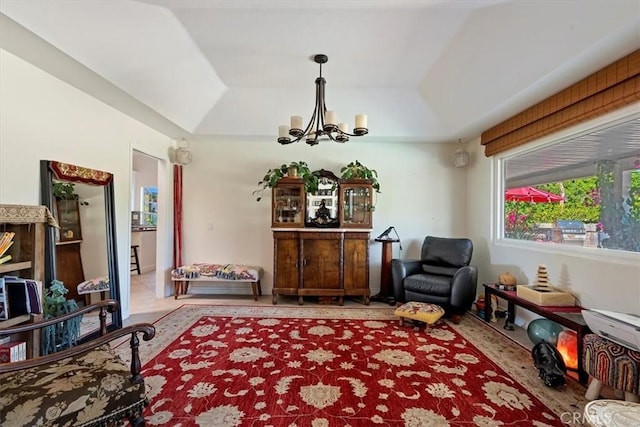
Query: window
[
  {"x": 149, "y": 200},
  {"x": 578, "y": 190}
]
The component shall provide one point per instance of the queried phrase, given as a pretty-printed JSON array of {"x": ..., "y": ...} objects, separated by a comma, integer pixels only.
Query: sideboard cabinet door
[
  {"x": 321, "y": 264},
  {"x": 356, "y": 265},
  {"x": 286, "y": 264}
]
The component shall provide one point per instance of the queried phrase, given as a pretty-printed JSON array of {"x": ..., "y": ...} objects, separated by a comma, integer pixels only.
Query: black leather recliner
[{"x": 442, "y": 276}]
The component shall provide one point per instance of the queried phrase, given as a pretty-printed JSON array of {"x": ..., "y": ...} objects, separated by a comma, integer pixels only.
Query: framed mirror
[
  {"x": 322, "y": 206},
  {"x": 83, "y": 250}
]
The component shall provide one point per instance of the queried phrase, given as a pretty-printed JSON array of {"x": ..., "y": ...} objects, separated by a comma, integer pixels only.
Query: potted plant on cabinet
[
  {"x": 66, "y": 191},
  {"x": 293, "y": 169},
  {"x": 64, "y": 334},
  {"x": 356, "y": 170}
]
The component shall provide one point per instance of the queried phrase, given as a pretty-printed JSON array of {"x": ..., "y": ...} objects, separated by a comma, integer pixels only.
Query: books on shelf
[
  {"x": 6, "y": 240},
  {"x": 13, "y": 351},
  {"x": 4, "y": 309},
  {"x": 19, "y": 296}
]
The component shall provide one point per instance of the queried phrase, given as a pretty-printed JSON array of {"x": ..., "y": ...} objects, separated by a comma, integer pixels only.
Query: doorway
[{"x": 144, "y": 227}]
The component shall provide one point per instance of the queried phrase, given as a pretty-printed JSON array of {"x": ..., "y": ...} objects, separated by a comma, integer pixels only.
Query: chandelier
[{"x": 323, "y": 124}]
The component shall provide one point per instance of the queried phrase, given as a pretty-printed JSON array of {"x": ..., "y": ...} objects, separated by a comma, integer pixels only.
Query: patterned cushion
[
  {"x": 84, "y": 390},
  {"x": 99, "y": 284},
  {"x": 220, "y": 271},
  {"x": 422, "y": 311},
  {"x": 613, "y": 364}
]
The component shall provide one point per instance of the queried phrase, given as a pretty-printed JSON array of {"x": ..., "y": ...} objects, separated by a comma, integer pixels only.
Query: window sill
[{"x": 595, "y": 254}]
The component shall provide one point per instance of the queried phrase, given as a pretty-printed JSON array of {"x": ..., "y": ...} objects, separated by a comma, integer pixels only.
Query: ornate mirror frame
[{"x": 50, "y": 170}]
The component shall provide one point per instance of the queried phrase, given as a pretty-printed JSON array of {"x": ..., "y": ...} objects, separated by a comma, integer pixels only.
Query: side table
[
  {"x": 385, "y": 271},
  {"x": 569, "y": 317}
]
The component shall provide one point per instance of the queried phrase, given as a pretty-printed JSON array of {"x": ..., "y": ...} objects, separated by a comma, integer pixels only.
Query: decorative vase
[
  {"x": 543, "y": 330},
  {"x": 292, "y": 172}
]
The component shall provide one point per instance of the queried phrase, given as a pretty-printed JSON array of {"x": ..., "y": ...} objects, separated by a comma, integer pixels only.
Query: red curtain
[{"x": 177, "y": 216}]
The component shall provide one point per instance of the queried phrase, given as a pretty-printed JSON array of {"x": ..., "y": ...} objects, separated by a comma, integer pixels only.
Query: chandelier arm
[
  {"x": 320, "y": 102},
  {"x": 318, "y": 118},
  {"x": 351, "y": 134}
]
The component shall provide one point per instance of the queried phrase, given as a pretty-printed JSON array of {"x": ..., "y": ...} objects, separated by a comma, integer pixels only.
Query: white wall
[
  {"x": 599, "y": 282},
  {"x": 42, "y": 117},
  {"x": 421, "y": 194}
]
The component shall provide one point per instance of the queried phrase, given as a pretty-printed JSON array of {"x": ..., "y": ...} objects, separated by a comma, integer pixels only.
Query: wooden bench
[{"x": 205, "y": 272}]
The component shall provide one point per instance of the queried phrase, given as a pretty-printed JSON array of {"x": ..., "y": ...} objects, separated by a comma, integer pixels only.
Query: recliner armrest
[
  {"x": 399, "y": 270},
  {"x": 463, "y": 286}
]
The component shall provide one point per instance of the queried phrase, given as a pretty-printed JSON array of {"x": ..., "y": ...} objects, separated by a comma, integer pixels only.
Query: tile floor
[{"x": 145, "y": 307}]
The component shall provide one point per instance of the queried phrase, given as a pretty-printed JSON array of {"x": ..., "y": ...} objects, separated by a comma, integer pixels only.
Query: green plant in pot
[
  {"x": 272, "y": 177},
  {"x": 356, "y": 170},
  {"x": 64, "y": 334},
  {"x": 65, "y": 191}
]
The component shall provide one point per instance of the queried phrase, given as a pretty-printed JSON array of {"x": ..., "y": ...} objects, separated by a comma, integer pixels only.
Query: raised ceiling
[{"x": 426, "y": 71}]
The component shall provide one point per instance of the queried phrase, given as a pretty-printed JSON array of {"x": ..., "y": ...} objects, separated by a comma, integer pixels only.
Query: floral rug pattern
[{"x": 282, "y": 366}]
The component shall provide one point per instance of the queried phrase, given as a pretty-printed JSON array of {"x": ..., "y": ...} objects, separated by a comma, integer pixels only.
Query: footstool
[
  {"x": 421, "y": 311},
  {"x": 611, "y": 364}
]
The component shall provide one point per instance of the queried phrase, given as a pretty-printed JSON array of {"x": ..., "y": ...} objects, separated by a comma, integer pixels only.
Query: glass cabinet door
[
  {"x": 68, "y": 216},
  {"x": 288, "y": 203},
  {"x": 356, "y": 204},
  {"x": 322, "y": 205}
]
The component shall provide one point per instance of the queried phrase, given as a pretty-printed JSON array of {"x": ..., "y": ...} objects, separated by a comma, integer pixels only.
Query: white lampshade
[{"x": 460, "y": 157}]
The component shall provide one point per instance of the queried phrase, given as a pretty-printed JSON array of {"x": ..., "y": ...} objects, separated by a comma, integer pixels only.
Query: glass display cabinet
[
  {"x": 356, "y": 203},
  {"x": 68, "y": 215},
  {"x": 322, "y": 206},
  {"x": 288, "y": 203}
]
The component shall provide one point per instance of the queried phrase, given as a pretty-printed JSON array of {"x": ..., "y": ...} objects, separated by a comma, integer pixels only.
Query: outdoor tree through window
[{"x": 583, "y": 191}]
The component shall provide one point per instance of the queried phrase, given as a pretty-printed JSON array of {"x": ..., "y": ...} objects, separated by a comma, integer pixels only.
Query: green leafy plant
[
  {"x": 66, "y": 191},
  {"x": 63, "y": 334},
  {"x": 272, "y": 177},
  {"x": 358, "y": 170}
]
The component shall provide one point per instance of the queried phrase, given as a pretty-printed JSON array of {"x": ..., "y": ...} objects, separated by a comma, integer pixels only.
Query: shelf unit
[{"x": 27, "y": 252}]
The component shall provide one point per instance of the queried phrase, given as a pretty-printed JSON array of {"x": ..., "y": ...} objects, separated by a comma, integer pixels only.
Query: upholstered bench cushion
[
  {"x": 72, "y": 392},
  {"x": 613, "y": 364},
  {"x": 422, "y": 311},
  {"x": 99, "y": 284},
  {"x": 247, "y": 273}
]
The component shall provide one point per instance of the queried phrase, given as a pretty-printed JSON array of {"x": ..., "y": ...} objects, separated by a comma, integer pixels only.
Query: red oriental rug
[{"x": 340, "y": 366}]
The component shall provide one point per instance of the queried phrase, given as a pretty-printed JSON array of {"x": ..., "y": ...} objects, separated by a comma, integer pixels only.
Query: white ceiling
[{"x": 428, "y": 71}]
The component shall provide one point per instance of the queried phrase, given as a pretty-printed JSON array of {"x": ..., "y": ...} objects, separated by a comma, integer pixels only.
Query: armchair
[
  {"x": 441, "y": 276},
  {"x": 88, "y": 385}
]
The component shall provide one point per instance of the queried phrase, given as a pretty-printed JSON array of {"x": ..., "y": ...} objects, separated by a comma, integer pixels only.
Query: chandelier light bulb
[{"x": 323, "y": 124}]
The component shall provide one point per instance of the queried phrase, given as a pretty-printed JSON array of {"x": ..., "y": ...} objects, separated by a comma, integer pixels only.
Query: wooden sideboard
[{"x": 321, "y": 262}]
